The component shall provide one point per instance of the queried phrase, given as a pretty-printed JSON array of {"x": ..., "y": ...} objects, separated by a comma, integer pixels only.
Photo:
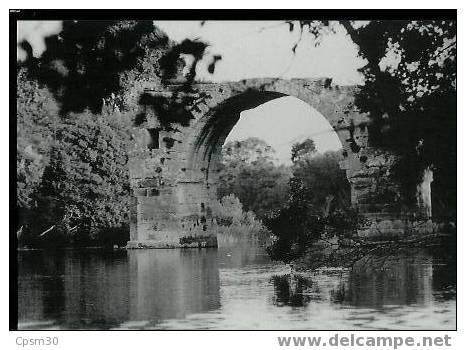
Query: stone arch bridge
[{"x": 174, "y": 169}]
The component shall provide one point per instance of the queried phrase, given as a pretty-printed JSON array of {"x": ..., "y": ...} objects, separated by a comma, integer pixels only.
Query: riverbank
[{"x": 347, "y": 252}]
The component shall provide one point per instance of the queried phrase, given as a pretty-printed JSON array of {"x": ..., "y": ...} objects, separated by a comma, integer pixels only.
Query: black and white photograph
[{"x": 233, "y": 170}]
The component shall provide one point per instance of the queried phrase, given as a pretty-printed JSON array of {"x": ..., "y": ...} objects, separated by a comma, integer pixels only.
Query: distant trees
[
  {"x": 302, "y": 150},
  {"x": 249, "y": 150},
  {"x": 250, "y": 174}
]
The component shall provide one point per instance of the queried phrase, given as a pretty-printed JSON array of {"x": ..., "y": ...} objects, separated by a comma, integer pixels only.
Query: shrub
[{"x": 236, "y": 223}]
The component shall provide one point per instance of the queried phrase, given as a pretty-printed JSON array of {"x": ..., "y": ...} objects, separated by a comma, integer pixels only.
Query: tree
[
  {"x": 84, "y": 190},
  {"x": 88, "y": 61},
  {"x": 296, "y": 225},
  {"x": 303, "y": 220},
  {"x": 301, "y": 150},
  {"x": 249, "y": 150},
  {"x": 322, "y": 175},
  {"x": 250, "y": 174},
  {"x": 410, "y": 95},
  {"x": 36, "y": 122},
  {"x": 233, "y": 221},
  {"x": 318, "y": 204}
]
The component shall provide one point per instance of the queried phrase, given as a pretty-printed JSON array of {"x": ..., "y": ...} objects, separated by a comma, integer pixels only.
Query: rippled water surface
[{"x": 229, "y": 288}]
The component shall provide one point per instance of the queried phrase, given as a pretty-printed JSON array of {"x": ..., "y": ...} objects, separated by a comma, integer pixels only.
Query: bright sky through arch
[{"x": 281, "y": 123}]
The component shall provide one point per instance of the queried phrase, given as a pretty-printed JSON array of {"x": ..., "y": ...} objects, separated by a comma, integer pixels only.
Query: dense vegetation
[
  {"x": 37, "y": 118},
  {"x": 318, "y": 204},
  {"x": 410, "y": 95},
  {"x": 249, "y": 172},
  {"x": 73, "y": 130},
  {"x": 298, "y": 204},
  {"x": 237, "y": 225},
  {"x": 73, "y": 183}
]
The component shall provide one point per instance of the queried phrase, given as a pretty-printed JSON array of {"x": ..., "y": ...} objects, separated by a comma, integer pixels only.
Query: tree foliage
[
  {"x": 321, "y": 173},
  {"x": 89, "y": 60},
  {"x": 72, "y": 152},
  {"x": 318, "y": 204},
  {"x": 236, "y": 223},
  {"x": 412, "y": 102},
  {"x": 84, "y": 189},
  {"x": 410, "y": 95},
  {"x": 36, "y": 122},
  {"x": 296, "y": 225},
  {"x": 302, "y": 150},
  {"x": 249, "y": 150},
  {"x": 250, "y": 174}
]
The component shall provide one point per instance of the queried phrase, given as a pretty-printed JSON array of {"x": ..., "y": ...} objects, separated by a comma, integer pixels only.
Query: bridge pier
[
  {"x": 378, "y": 200},
  {"x": 172, "y": 220},
  {"x": 170, "y": 203}
]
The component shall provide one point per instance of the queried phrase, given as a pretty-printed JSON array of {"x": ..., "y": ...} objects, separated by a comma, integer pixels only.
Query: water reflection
[
  {"x": 99, "y": 290},
  {"x": 230, "y": 288},
  {"x": 294, "y": 290},
  {"x": 72, "y": 288},
  {"x": 375, "y": 282},
  {"x": 172, "y": 283},
  {"x": 390, "y": 280}
]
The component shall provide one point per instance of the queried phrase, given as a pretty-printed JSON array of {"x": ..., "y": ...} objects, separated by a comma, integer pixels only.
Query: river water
[{"x": 229, "y": 288}]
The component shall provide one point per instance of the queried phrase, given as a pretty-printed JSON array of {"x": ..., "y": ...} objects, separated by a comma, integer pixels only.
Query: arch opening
[
  {"x": 275, "y": 115},
  {"x": 221, "y": 121}
]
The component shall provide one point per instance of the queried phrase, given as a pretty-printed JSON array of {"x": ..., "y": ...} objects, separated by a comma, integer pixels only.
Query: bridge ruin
[{"x": 174, "y": 170}]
